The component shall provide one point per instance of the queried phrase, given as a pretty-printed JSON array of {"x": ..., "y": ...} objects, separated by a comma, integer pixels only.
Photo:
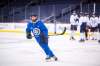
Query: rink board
[{"x": 20, "y": 28}]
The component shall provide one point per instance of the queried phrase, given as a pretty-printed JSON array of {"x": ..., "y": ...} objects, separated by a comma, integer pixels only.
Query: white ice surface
[{"x": 16, "y": 50}]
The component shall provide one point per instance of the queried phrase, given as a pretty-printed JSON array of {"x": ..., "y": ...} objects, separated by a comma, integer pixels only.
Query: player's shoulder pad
[{"x": 40, "y": 22}]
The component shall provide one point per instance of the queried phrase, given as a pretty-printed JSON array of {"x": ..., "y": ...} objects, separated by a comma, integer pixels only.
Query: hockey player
[
  {"x": 87, "y": 20},
  {"x": 73, "y": 21},
  {"x": 82, "y": 24},
  {"x": 94, "y": 25},
  {"x": 99, "y": 29},
  {"x": 40, "y": 32}
]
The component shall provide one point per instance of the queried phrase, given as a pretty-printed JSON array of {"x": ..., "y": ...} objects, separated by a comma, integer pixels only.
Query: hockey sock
[
  {"x": 92, "y": 35},
  {"x": 82, "y": 36},
  {"x": 95, "y": 35},
  {"x": 99, "y": 36},
  {"x": 72, "y": 34}
]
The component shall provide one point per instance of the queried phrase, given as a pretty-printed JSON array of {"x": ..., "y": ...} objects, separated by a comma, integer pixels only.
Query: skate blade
[{"x": 51, "y": 60}]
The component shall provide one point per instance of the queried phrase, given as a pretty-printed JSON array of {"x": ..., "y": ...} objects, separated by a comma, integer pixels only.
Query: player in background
[
  {"x": 40, "y": 32},
  {"x": 94, "y": 25},
  {"x": 87, "y": 21},
  {"x": 99, "y": 29},
  {"x": 73, "y": 21},
  {"x": 82, "y": 24}
]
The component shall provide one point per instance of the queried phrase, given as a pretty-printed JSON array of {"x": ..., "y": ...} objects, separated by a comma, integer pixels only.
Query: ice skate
[
  {"x": 54, "y": 58},
  {"x": 72, "y": 38},
  {"x": 48, "y": 59},
  {"x": 81, "y": 40},
  {"x": 99, "y": 41}
]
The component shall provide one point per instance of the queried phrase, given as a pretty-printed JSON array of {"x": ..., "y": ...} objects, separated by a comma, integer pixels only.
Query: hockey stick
[{"x": 63, "y": 32}]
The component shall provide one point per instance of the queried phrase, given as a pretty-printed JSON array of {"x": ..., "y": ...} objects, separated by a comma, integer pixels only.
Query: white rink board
[{"x": 22, "y": 26}]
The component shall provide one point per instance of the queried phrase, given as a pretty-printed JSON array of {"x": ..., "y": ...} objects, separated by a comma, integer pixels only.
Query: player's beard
[{"x": 34, "y": 21}]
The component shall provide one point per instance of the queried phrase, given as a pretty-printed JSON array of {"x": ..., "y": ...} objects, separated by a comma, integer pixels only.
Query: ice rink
[{"x": 16, "y": 50}]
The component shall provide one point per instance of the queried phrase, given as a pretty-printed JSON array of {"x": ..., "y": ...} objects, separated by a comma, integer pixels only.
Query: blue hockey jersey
[{"x": 38, "y": 29}]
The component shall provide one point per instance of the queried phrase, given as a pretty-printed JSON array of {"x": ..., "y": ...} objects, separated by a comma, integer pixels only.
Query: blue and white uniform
[
  {"x": 99, "y": 23},
  {"x": 83, "y": 23},
  {"x": 73, "y": 22},
  {"x": 94, "y": 27},
  {"x": 99, "y": 29},
  {"x": 94, "y": 23},
  {"x": 40, "y": 33}
]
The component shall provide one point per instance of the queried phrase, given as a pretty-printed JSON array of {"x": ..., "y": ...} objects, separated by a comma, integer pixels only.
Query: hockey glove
[{"x": 28, "y": 35}]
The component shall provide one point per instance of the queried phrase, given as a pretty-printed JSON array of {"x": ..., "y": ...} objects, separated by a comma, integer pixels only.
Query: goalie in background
[
  {"x": 40, "y": 32},
  {"x": 74, "y": 19}
]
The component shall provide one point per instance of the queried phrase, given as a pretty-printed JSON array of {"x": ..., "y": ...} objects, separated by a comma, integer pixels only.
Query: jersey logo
[{"x": 36, "y": 31}]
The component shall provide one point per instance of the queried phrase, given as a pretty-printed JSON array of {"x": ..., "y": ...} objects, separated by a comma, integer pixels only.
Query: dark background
[{"x": 18, "y": 10}]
